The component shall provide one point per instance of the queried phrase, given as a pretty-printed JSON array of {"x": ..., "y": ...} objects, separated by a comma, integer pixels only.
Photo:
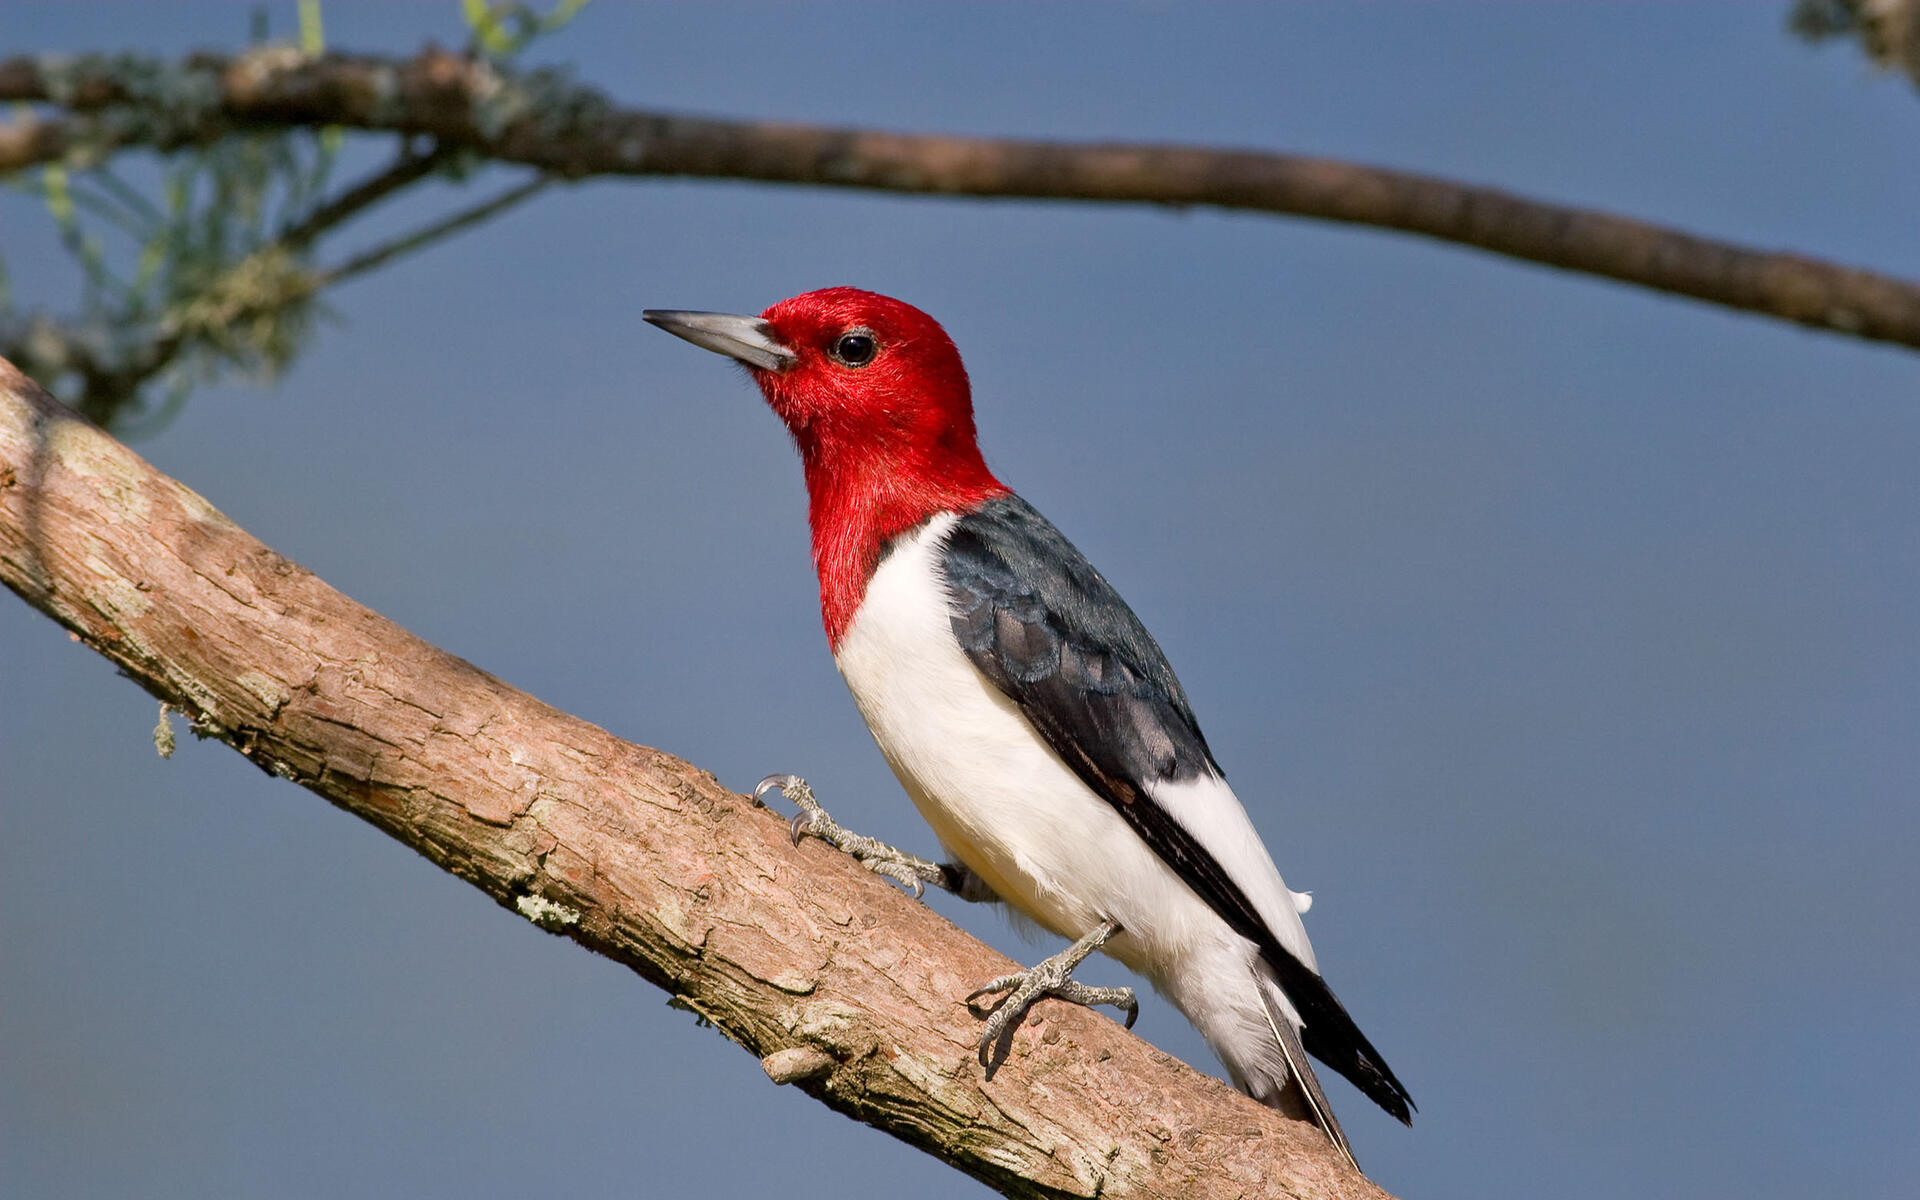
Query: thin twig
[
  {"x": 403, "y": 171},
  {"x": 446, "y": 227}
]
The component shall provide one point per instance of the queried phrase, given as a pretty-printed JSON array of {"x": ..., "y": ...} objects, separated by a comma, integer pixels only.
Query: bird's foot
[
  {"x": 812, "y": 821},
  {"x": 1051, "y": 977}
]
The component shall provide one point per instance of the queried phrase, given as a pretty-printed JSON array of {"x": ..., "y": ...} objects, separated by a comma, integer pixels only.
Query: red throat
[
  {"x": 884, "y": 425},
  {"x": 856, "y": 509}
]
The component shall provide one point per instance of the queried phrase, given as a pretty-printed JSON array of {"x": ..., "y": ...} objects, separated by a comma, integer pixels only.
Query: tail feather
[
  {"x": 1330, "y": 1035},
  {"x": 1302, "y": 1071}
]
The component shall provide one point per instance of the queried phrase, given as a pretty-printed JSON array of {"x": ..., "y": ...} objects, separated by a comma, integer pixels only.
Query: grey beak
[{"x": 748, "y": 339}]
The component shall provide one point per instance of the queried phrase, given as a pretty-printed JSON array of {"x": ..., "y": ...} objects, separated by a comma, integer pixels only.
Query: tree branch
[
  {"x": 843, "y": 985},
  {"x": 542, "y": 120}
]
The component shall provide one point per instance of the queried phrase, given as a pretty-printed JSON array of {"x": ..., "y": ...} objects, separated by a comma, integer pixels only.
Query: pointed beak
[{"x": 748, "y": 339}]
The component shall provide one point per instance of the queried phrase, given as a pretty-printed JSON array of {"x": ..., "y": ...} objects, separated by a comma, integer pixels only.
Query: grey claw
[
  {"x": 780, "y": 782},
  {"x": 1003, "y": 984},
  {"x": 876, "y": 856},
  {"x": 1051, "y": 977},
  {"x": 900, "y": 875},
  {"x": 992, "y": 1053},
  {"x": 793, "y": 788}
]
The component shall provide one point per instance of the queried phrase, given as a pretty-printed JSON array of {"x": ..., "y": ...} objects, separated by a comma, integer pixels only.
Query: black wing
[{"x": 1052, "y": 634}]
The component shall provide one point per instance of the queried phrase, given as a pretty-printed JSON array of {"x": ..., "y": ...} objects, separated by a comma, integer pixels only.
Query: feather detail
[{"x": 1288, "y": 1039}]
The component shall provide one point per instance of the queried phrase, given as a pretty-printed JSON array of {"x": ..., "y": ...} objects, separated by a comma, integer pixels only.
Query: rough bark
[
  {"x": 844, "y": 986},
  {"x": 542, "y": 121}
]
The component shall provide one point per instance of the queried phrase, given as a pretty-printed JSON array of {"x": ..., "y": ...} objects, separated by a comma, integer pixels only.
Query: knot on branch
[{"x": 796, "y": 1064}]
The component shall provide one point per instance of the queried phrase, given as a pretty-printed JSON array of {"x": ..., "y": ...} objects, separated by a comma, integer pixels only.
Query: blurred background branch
[
  {"x": 217, "y": 271},
  {"x": 1887, "y": 30},
  {"x": 214, "y": 267}
]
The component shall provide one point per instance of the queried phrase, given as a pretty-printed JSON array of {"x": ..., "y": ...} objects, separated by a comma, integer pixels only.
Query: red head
[{"x": 876, "y": 398}]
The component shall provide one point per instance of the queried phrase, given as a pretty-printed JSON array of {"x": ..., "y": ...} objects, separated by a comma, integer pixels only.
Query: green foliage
[
  {"x": 211, "y": 276},
  {"x": 210, "y": 270},
  {"x": 313, "y": 38},
  {"x": 503, "y": 30}
]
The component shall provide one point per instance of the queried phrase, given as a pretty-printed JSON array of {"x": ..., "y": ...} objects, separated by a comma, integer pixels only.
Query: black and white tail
[{"x": 1296, "y": 1055}]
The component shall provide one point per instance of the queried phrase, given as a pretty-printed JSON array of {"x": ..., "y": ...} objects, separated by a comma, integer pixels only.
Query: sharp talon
[
  {"x": 996, "y": 1042},
  {"x": 1052, "y": 977},
  {"x": 769, "y": 784},
  {"x": 904, "y": 878},
  {"x": 812, "y": 821},
  {"x": 1002, "y": 984}
]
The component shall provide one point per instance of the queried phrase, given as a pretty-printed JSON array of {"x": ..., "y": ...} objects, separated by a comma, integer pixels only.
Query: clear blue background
[{"x": 1564, "y": 639}]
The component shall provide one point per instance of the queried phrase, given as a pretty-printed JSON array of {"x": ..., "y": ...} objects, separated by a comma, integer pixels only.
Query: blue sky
[{"x": 1562, "y": 638}]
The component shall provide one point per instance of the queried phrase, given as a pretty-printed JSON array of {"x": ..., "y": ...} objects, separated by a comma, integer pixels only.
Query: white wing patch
[{"x": 1207, "y": 808}]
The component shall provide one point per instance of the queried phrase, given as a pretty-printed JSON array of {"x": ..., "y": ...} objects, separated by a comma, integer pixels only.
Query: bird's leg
[
  {"x": 1051, "y": 977},
  {"x": 875, "y": 855}
]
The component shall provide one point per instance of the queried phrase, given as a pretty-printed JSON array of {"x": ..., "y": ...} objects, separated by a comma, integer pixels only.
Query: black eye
[{"x": 855, "y": 349}]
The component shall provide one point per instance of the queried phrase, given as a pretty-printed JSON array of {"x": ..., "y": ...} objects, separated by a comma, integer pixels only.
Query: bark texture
[
  {"x": 844, "y": 986},
  {"x": 541, "y": 120}
]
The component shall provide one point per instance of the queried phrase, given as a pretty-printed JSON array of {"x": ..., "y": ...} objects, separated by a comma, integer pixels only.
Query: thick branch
[
  {"x": 543, "y": 121},
  {"x": 845, "y": 986}
]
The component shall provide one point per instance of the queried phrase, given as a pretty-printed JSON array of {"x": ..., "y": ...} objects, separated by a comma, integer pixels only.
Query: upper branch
[
  {"x": 542, "y": 120},
  {"x": 844, "y": 986}
]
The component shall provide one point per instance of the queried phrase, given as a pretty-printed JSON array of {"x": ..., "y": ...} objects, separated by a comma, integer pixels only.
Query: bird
[{"x": 1027, "y": 712}]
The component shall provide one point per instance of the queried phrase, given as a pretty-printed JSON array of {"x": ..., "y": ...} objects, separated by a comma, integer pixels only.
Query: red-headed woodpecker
[{"x": 1028, "y": 713}]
